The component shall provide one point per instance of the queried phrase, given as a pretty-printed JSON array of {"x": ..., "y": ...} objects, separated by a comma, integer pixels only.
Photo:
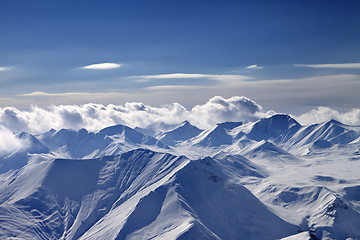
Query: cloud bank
[
  {"x": 134, "y": 114},
  {"x": 97, "y": 116}
]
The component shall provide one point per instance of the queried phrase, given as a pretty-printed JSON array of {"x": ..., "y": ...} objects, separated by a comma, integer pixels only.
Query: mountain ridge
[{"x": 120, "y": 183}]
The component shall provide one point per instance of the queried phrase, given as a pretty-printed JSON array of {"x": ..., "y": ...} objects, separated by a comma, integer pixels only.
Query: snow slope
[
  {"x": 269, "y": 179},
  {"x": 182, "y": 133}
]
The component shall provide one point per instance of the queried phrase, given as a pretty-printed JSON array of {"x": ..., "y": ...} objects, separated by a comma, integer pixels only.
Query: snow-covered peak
[
  {"x": 229, "y": 125},
  {"x": 184, "y": 132},
  {"x": 278, "y": 128}
]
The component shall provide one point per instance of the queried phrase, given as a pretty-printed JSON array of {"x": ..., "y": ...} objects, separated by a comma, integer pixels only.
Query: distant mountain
[
  {"x": 156, "y": 129},
  {"x": 278, "y": 128},
  {"x": 19, "y": 158},
  {"x": 217, "y": 136},
  {"x": 331, "y": 131},
  {"x": 238, "y": 165},
  {"x": 267, "y": 150},
  {"x": 183, "y": 132},
  {"x": 108, "y": 141}
]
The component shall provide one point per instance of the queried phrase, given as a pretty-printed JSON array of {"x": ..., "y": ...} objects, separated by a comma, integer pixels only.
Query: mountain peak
[
  {"x": 335, "y": 122},
  {"x": 183, "y": 132},
  {"x": 186, "y": 122},
  {"x": 113, "y": 130},
  {"x": 279, "y": 127},
  {"x": 229, "y": 125}
]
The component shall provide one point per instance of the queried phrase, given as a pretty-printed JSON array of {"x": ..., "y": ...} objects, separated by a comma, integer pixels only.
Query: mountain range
[{"x": 268, "y": 179}]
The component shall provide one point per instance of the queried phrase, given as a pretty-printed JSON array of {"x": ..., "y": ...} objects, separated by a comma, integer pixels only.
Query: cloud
[
  {"x": 8, "y": 141},
  {"x": 136, "y": 114},
  {"x": 5, "y": 68},
  {"x": 14, "y": 119},
  {"x": 254, "y": 67},
  {"x": 322, "y": 114},
  {"x": 217, "y": 77},
  {"x": 52, "y": 94},
  {"x": 71, "y": 95},
  {"x": 97, "y": 116},
  {"x": 174, "y": 87},
  {"x": 219, "y": 109},
  {"x": 103, "y": 66},
  {"x": 292, "y": 95},
  {"x": 335, "y": 65}
]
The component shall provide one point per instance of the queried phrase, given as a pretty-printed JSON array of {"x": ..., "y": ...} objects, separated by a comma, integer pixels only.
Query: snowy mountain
[
  {"x": 268, "y": 179},
  {"x": 108, "y": 141},
  {"x": 278, "y": 128},
  {"x": 182, "y": 133},
  {"x": 216, "y": 136}
]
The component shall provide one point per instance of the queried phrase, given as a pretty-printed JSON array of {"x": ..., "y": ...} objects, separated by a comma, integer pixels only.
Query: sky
[{"x": 287, "y": 56}]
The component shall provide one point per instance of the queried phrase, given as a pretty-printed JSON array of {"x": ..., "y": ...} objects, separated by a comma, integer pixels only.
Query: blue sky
[{"x": 181, "y": 51}]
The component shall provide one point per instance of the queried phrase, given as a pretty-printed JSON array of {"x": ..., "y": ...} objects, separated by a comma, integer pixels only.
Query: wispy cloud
[
  {"x": 218, "y": 77},
  {"x": 53, "y": 94},
  {"x": 103, "y": 66},
  {"x": 334, "y": 65},
  {"x": 254, "y": 67},
  {"x": 174, "y": 87},
  {"x": 294, "y": 95},
  {"x": 5, "y": 68}
]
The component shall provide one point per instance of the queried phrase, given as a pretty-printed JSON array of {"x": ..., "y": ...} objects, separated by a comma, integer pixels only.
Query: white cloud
[
  {"x": 335, "y": 65},
  {"x": 134, "y": 114},
  {"x": 173, "y": 87},
  {"x": 8, "y": 141},
  {"x": 217, "y": 77},
  {"x": 254, "y": 67},
  {"x": 97, "y": 116},
  {"x": 297, "y": 95},
  {"x": 219, "y": 109},
  {"x": 52, "y": 94},
  {"x": 103, "y": 66},
  {"x": 322, "y": 114},
  {"x": 5, "y": 68}
]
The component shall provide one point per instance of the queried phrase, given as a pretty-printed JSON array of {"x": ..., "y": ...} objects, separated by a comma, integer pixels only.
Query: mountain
[
  {"x": 156, "y": 129},
  {"x": 238, "y": 165},
  {"x": 19, "y": 158},
  {"x": 267, "y": 179},
  {"x": 107, "y": 141},
  {"x": 267, "y": 150},
  {"x": 278, "y": 128},
  {"x": 217, "y": 136},
  {"x": 182, "y": 133},
  {"x": 138, "y": 194},
  {"x": 327, "y": 215},
  {"x": 332, "y": 131}
]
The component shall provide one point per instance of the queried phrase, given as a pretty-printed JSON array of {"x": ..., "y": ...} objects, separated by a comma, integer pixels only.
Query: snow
[
  {"x": 268, "y": 179},
  {"x": 182, "y": 133}
]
